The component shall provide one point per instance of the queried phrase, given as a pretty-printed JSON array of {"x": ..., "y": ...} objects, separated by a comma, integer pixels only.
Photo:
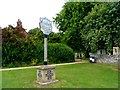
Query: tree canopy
[
  {"x": 87, "y": 26},
  {"x": 11, "y": 34},
  {"x": 101, "y": 28}
]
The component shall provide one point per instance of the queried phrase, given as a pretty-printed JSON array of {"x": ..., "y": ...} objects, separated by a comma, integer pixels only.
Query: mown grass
[
  {"x": 0, "y": 80},
  {"x": 70, "y": 76}
]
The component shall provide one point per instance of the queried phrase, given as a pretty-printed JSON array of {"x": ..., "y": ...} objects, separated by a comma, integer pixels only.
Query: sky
[{"x": 28, "y": 11}]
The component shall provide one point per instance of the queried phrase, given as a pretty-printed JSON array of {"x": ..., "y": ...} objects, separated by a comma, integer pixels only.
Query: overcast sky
[{"x": 28, "y": 11}]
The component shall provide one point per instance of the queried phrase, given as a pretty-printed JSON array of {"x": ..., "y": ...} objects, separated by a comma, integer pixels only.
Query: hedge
[
  {"x": 21, "y": 53},
  {"x": 28, "y": 53},
  {"x": 60, "y": 53}
]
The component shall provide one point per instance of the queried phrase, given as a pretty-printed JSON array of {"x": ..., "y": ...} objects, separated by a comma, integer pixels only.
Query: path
[{"x": 39, "y": 66}]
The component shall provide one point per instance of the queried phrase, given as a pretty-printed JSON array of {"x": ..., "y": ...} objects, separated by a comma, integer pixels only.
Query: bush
[
  {"x": 22, "y": 53},
  {"x": 60, "y": 53},
  {"x": 26, "y": 52}
]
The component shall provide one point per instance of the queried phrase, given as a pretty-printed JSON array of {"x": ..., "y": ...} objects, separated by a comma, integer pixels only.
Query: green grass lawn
[
  {"x": 0, "y": 80},
  {"x": 84, "y": 75}
]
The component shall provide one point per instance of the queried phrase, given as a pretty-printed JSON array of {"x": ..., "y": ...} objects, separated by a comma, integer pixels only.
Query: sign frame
[{"x": 45, "y": 25}]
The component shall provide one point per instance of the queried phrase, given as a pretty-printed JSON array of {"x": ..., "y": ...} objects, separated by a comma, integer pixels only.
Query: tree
[
  {"x": 54, "y": 37},
  {"x": 72, "y": 14},
  {"x": 102, "y": 27},
  {"x": 36, "y": 34},
  {"x": 69, "y": 21},
  {"x": 87, "y": 27},
  {"x": 11, "y": 34}
]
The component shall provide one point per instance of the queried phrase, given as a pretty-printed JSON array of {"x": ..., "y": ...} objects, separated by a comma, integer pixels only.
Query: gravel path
[{"x": 39, "y": 66}]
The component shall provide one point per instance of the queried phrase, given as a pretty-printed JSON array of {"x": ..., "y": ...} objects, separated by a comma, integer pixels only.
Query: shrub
[
  {"x": 26, "y": 52},
  {"x": 60, "y": 53},
  {"x": 23, "y": 52}
]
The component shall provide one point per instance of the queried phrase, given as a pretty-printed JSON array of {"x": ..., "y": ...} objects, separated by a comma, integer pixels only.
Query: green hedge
[
  {"x": 21, "y": 53},
  {"x": 26, "y": 52},
  {"x": 60, "y": 53}
]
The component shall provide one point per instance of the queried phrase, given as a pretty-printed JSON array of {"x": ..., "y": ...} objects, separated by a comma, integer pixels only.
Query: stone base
[
  {"x": 46, "y": 83},
  {"x": 46, "y": 75}
]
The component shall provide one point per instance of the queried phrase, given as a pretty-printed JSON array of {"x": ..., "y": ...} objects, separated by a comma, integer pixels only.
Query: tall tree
[
  {"x": 72, "y": 14},
  {"x": 88, "y": 27},
  {"x": 69, "y": 21},
  {"x": 101, "y": 29}
]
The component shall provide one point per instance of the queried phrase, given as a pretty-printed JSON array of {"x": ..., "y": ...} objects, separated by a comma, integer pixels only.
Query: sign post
[
  {"x": 45, "y": 73},
  {"x": 45, "y": 50},
  {"x": 46, "y": 27}
]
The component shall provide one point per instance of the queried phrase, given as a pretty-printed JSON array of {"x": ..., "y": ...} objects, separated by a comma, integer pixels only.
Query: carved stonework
[
  {"x": 49, "y": 75},
  {"x": 46, "y": 75},
  {"x": 39, "y": 75}
]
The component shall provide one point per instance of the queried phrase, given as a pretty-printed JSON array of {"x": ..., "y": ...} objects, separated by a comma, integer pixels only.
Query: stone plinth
[{"x": 46, "y": 75}]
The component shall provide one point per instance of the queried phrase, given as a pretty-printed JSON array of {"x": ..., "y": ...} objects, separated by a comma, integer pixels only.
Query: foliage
[
  {"x": 27, "y": 52},
  {"x": 60, "y": 53},
  {"x": 11, "y": 34},
  {"x": 22, "y": 53},
  {"x": 72, "y": 14},
  {"x": 69, "y": 22},
  {"x": 87, "y": 27},
  {"x": 20, "y": 50},
  {"x": 101, "y": 28},
  {"x": 36, "y": 34},
  {"x": 54, "y": 37}
]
